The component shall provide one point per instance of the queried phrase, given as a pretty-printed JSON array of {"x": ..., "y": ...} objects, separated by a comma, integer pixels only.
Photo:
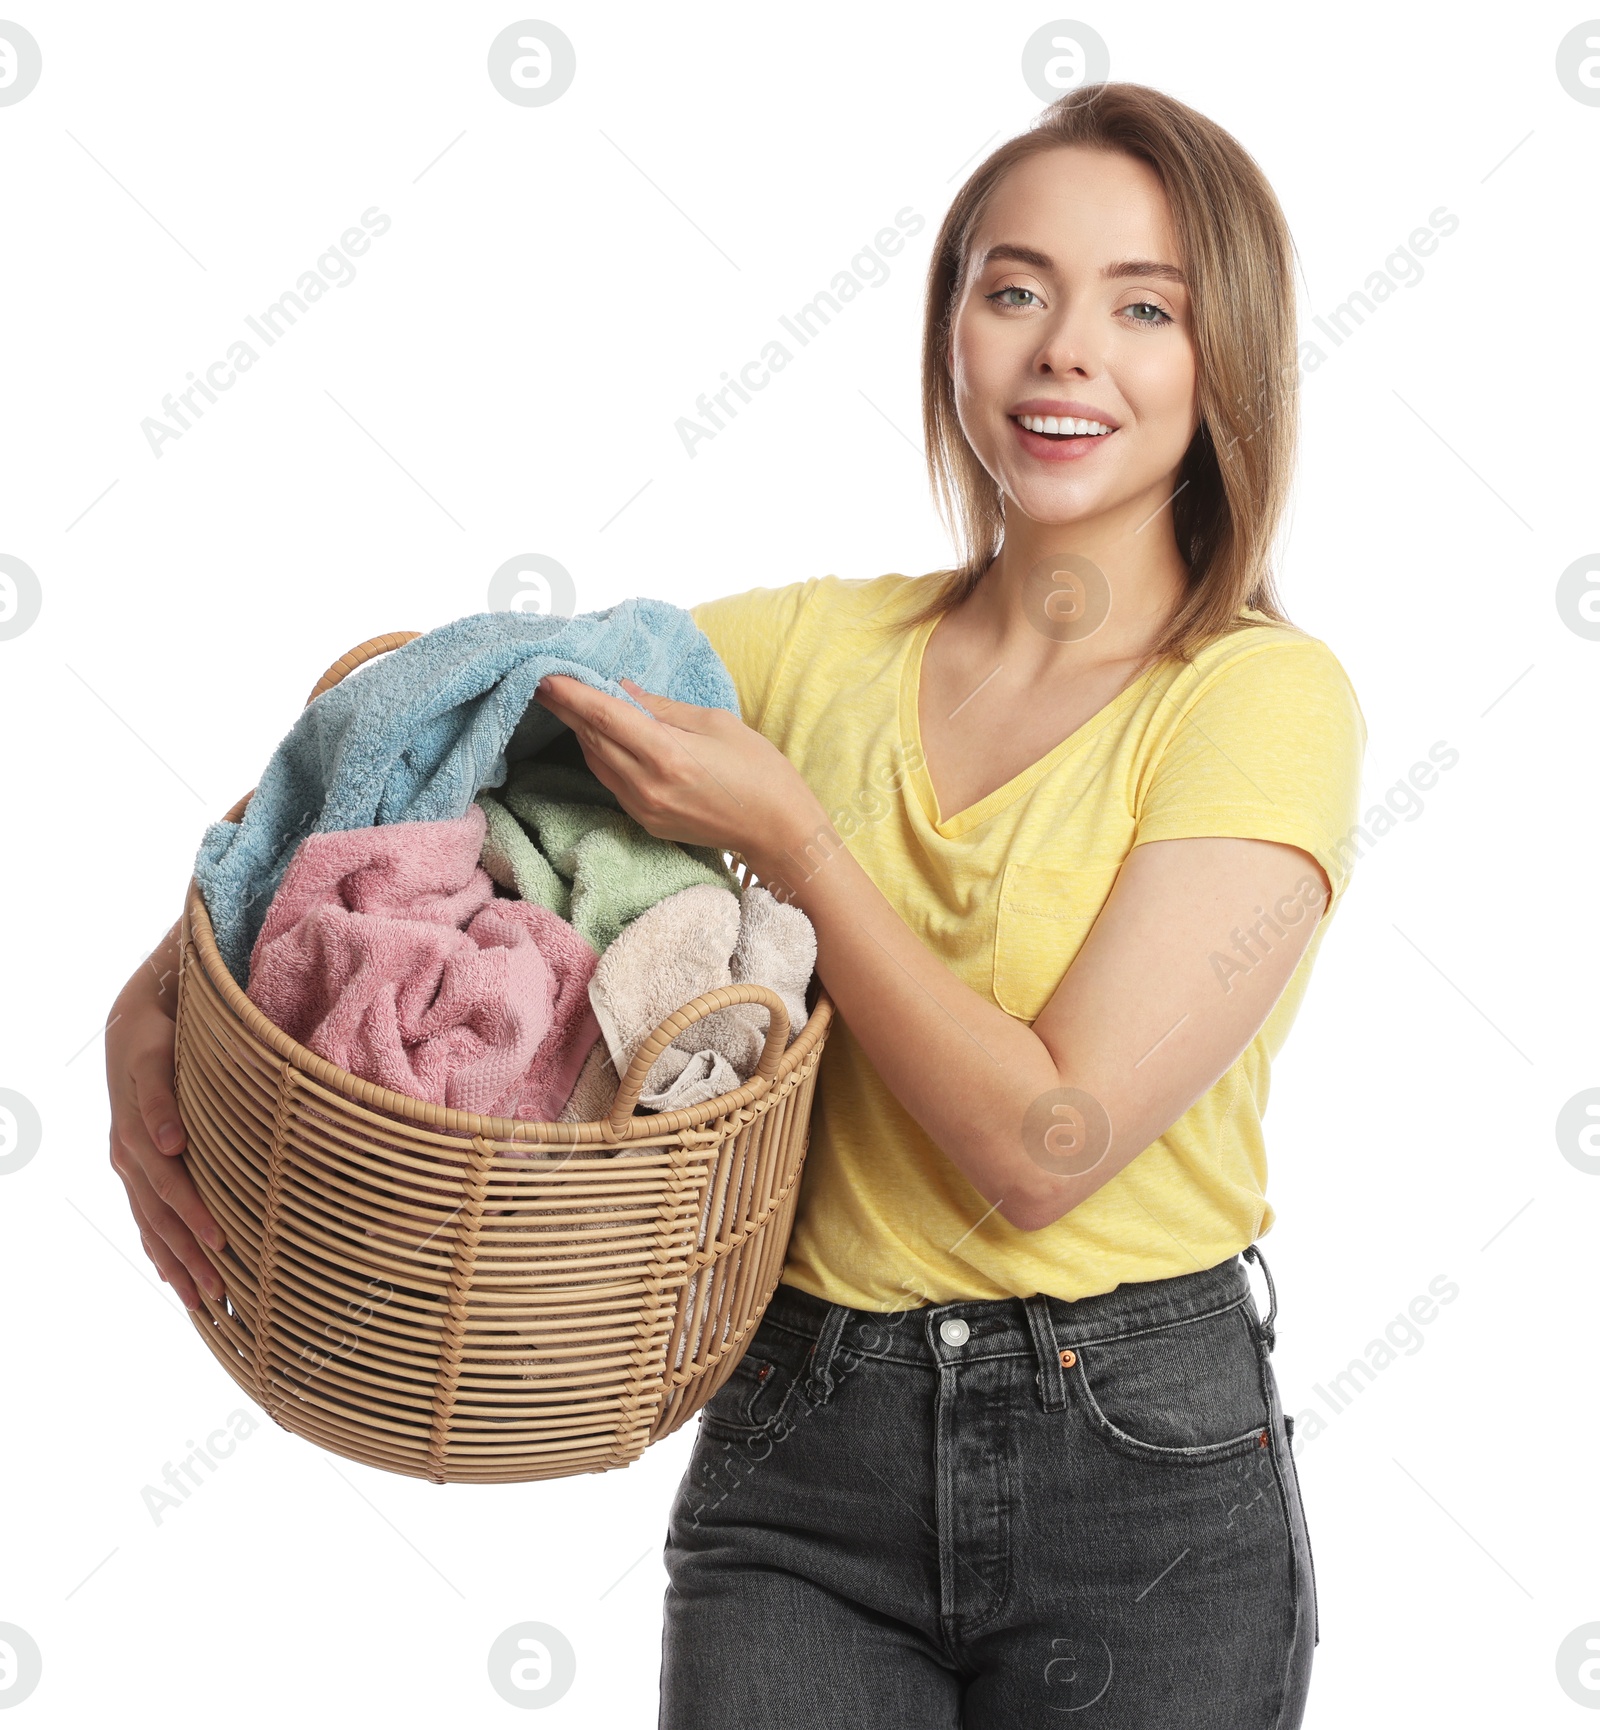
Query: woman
[{"x": 1067, "y": 821}]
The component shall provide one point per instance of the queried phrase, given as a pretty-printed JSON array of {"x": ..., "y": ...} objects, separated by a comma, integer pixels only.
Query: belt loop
[
  {"x": 1269, "y": 1333},
  {"x": 819, "y": 1381},
  {"x": 1052, "y": 1377}
]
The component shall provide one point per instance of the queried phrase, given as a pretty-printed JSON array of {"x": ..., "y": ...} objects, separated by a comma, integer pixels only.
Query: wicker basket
[{"x": 474, "y": 1299}]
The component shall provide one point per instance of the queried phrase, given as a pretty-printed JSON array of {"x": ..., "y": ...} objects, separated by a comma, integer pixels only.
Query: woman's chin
[{"x": 1056, "y": 506}]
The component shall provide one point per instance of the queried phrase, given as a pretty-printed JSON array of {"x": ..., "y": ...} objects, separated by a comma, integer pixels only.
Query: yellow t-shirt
[{"x": 1261, "y": 736}]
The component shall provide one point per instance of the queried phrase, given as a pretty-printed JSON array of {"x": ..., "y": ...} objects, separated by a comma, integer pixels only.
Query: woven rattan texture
[{"x": 470, "y": 1299}]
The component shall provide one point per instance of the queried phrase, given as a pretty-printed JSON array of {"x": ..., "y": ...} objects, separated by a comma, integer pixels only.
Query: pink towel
[{"x": 386, "y": 951}]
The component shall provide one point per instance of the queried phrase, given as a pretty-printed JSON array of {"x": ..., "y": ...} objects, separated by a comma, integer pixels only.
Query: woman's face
[{"x": 1073, "y": 308}]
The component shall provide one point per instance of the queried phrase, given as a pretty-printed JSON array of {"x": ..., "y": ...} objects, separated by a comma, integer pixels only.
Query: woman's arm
[
  {"x": 1037, "y": 1118},
  {"x": 146, "y": 1131}
]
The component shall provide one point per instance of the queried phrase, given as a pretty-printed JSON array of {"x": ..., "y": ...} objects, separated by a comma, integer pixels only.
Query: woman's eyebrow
[{"x": 1007, "y": 252}]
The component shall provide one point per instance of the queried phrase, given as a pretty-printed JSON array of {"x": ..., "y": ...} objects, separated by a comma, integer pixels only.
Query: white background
[{"x": 503, "y": 376}]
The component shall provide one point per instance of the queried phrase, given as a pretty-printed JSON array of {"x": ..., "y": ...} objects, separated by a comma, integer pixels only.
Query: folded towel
[
  {"x": 386, "y": 952},
  {"x": 684, "y": 946},
  {"x": 557, "y": 836},
  {"x": 413, "y": 736}
]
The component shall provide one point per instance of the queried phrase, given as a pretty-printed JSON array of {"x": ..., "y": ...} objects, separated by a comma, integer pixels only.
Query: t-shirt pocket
[{"x": 1044, "y": 914}]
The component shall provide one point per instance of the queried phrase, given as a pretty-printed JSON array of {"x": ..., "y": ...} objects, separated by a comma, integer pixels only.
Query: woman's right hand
[{"x": 147, "y": 1133}]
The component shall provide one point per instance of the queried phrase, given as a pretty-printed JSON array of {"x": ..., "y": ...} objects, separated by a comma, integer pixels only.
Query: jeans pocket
[
  {"x": 752, "y": 1400},
  {"x": 1186, "y": 1393}
]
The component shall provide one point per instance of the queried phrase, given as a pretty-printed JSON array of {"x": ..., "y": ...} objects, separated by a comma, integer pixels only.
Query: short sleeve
[
  {"x": 752, "y": 633},
  {"x": 1267, "y": 746}
]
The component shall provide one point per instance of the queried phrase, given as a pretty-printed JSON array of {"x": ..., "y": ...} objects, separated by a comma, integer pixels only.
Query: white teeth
[{"x": 1049, "y": 423}]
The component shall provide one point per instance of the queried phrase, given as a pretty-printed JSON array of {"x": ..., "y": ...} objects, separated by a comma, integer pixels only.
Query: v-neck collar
[{"x": 962, "y": 822}]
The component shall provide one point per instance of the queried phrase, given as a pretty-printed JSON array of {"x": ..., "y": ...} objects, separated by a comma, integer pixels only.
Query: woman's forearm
[
  {"x": 1038, "y": 1117},
  {"x": 155, "y": 980},
  {"x": 964, "y": 1069}
]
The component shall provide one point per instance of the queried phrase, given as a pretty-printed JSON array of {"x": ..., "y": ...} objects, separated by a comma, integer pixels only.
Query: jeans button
[{"x": 954, "y": 1332}]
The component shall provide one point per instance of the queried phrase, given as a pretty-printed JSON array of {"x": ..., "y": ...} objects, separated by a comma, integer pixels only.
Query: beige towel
[{"x": 688, "y": 944}]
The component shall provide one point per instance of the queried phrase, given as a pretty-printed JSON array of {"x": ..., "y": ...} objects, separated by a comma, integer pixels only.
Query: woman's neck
[{"x": 1061, "y": 597}]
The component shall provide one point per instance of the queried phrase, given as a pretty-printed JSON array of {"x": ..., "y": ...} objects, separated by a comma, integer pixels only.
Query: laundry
[
  {"x": 415, "y": 735},
  {"x": 387, "y": 952},
  {"x": 557, "y": 836},
  {"x": 684, "y": 946}
]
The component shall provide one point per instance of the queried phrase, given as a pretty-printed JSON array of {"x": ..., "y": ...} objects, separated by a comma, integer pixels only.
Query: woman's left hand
[{"x": 684, "y": 773}]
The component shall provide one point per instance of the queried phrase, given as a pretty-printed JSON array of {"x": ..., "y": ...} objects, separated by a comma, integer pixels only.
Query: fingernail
[
  {"x": 190, "y": 1303},
  {"x": 168, "y": 1137},
  {"x": 212, "y": 1236}
]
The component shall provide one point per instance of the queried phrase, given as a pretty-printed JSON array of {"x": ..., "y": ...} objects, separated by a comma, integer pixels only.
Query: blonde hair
[{"x": 1237, "y": 256}]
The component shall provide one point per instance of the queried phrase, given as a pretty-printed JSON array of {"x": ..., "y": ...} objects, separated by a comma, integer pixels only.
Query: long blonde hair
[{"x": 1237, "y": 255}]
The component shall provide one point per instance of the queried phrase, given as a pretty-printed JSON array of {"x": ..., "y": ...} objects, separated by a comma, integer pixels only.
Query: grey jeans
[{"x": 986, "y": 1514}]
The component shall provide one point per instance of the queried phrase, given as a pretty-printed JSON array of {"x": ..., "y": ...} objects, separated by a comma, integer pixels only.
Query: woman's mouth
[{"x": 1059, "y": 439}]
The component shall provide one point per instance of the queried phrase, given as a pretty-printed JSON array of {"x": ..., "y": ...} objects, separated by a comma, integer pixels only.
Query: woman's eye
[
  {"x": 1144, "y": 311},
  {"x": 1010, "y": 288},
  {"x": 1162, "y": 316}
]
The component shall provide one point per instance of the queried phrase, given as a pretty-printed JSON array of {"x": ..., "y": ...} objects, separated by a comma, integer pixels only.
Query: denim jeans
[{"x": 995, "y": 1514}]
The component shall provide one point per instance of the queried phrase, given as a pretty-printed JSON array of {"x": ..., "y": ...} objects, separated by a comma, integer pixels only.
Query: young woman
[{"x": 1067, "y": 820}]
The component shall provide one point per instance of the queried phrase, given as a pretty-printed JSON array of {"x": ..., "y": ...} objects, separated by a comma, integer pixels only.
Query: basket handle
[
  {"x": 706, "y": 1004},
  {"x": 362, "y": 652}
]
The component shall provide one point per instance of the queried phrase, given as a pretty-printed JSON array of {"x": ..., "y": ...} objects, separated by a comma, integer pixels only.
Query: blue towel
[{"x": 413, "y": 736}]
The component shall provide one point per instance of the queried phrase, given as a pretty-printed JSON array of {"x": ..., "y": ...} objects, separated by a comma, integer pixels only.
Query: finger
[
  {"x": 648, "y": 751},
  {"x": 654, "y": 701},
  {"x": 164, "y": 1173},
  {"x": 611, "y": 756},
  {"x": 615, "y": 769},
  {"x": 166, "y": 1262},
  {"x": 171, "y": 1271},
  {"x": 631, "y": 753},
  {"x": 581, "y": 706},
  {"x": 674, "y": 713},
  {"x": 165, "y": 1177},
  {"x": 161, "y": 1220},
  {"x": 609, "y": 733},
  {"x": 158, "y": 1109},
  {"x": 160, "y": 1225},
  {"x": 686, "y": 717}
]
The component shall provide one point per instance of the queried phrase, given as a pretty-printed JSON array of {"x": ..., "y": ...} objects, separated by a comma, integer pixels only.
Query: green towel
[{"x": 558, "y": 838}]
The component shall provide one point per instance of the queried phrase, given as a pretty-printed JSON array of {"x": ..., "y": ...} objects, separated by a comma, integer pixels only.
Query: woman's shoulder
[
  {"x": 758, "y": 632},
  {"x": 784, "y": 606},
  {"x": 1257, "y": 632},
  {"x": 1267, "y": 660}
]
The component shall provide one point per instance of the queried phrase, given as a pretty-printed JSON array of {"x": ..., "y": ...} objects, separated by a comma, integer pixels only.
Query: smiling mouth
[{"x": 1061, "y": 431}]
